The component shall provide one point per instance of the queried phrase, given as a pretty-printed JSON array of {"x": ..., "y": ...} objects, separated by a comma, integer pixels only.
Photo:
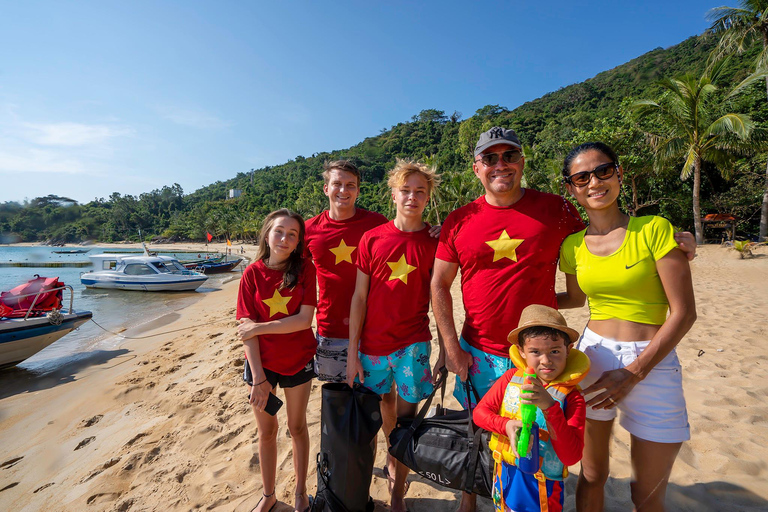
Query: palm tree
[
  {"x": 740, "y": 28},
  {"x": 689, "y": 131}
]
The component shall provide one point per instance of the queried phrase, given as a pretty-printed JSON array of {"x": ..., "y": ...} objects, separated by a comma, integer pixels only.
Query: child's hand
[
  {"x": 513, "y": 427},
  {"x": 246, "y": 328},
  {"x": 538, "y": 396}
]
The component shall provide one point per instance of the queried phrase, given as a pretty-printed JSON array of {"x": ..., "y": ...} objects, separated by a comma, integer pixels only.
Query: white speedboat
[
  {"x": 32, "y": 317},
  {"x": 143, "y": 273}
]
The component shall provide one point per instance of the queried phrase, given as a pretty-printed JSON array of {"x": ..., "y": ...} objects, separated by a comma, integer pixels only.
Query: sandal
[
  {"x": 391, "y": 481},
  {"x": 266, "y": 496}
]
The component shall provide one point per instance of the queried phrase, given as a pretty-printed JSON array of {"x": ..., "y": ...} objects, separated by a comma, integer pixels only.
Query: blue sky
[{"x": 107, "y": 96}]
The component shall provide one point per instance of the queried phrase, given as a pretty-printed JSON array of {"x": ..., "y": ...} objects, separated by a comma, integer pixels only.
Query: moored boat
[
  {"x": 215, "y": 267},
  {"x": 32, "y": 317},
  {"x": 141, "y": 273}
]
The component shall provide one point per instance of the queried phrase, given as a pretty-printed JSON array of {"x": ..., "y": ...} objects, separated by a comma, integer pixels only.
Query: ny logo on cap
[{"x": 496, "y": 133}]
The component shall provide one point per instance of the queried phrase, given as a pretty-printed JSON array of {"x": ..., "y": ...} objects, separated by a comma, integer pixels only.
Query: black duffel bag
[
  {"x": 349, "y": 419},
  {"x": 447, "y": 448}
]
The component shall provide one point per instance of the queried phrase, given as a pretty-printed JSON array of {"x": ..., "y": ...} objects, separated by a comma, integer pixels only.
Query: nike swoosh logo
[{"x": 632, "y": 265}]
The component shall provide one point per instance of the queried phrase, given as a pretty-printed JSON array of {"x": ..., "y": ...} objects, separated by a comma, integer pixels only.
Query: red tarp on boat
[{"x": 20, "y": 299}]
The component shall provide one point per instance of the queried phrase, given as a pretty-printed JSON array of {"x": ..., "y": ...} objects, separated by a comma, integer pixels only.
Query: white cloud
[
  {"x": 71, "y": 134},
  {"x": 193, "y": 117}
]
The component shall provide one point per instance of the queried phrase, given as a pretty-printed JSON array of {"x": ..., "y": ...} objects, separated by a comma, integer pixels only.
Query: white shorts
[{"x": 655, "y": 408}]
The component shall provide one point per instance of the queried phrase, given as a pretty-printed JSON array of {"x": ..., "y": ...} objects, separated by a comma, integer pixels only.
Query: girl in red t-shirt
[{"x": 275, "y": 306}]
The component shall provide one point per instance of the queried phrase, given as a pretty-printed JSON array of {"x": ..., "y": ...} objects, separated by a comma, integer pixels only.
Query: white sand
[{"x": 162, "y": 423}]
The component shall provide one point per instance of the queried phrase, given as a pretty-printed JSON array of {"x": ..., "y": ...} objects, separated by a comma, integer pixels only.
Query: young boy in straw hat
[{"x": 540, "y": 345}]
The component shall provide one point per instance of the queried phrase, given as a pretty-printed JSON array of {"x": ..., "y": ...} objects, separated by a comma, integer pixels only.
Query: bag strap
[
  {"x": 406, "y": 439},
  {"x": 473, "y": 434}
]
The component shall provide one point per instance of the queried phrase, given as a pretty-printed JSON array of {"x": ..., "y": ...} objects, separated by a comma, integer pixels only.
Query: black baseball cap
[{"x": 497, "y": 135}]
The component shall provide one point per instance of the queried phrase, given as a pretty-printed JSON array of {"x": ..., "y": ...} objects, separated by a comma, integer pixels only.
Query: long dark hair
[
  {"x": 583, "y": 148},
  {"x": 292, "y": 268}
]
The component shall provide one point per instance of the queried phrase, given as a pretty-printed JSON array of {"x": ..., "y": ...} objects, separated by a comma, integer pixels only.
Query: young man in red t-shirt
[
  {"x": 388, "y": 320},
  {"x": 332, "y": 240}
]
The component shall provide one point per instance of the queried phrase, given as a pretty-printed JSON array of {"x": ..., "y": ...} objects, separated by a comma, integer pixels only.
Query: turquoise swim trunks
[
  {"x": 408, "y": 367},
  {"x": 483, "y": 374}
]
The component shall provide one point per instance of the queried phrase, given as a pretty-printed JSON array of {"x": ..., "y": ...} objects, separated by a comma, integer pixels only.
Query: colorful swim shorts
[
  {"x": 483, "y": 374},
  {"x": 408, "y": 367}
]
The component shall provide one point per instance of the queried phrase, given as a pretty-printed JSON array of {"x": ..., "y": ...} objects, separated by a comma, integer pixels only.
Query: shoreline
[{"x": 163, "y": 422}]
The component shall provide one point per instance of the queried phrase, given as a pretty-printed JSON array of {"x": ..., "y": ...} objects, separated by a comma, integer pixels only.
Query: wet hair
[
  {"x": 540, "y": 330},
  {"x": 342, "y": 165},
  {"x": 405, "y": 168},
  {"x": 602, "y": 147},
  {"x": 293, "y": 266}
]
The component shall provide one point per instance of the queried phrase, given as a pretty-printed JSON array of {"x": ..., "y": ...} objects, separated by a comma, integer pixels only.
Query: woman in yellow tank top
[{"x": 633, "y": 273}]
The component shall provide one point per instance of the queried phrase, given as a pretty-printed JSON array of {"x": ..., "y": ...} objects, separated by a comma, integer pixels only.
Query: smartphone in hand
[{"x": 273, "y": 404}]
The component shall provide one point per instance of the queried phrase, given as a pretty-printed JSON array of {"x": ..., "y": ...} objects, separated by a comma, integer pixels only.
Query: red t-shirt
[
  {"x": 332, "y": 245},
  {"x": 261, "y": 299},
  {"x": 399, "y": 265},
  {"x": 566, "y": 428},
  {"x": 508, "y": 260}
]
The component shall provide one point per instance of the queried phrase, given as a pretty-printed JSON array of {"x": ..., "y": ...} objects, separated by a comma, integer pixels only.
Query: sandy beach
[{"x": 162, "y": 422}]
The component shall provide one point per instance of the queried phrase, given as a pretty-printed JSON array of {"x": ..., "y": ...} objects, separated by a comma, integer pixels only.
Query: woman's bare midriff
[{"x": 623, "y": 330}]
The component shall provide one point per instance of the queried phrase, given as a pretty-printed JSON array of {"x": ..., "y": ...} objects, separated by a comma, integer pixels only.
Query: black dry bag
[{"x": 350, "y": 419}]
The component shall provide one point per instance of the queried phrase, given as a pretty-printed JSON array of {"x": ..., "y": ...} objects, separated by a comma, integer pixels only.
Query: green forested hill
[{"x": 594, "y": 109}]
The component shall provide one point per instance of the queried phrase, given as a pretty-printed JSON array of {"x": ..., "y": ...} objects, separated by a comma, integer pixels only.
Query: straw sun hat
[{"x": 537, "y": 315}]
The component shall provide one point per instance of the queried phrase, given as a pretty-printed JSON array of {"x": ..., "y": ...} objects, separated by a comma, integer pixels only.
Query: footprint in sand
[
  {"x": 85, "y": 442},
  {"x": 134, "y": 439},
  {"x": 104, "y": 497},
  {"x": 42, "y": 487},
  {"x": 214, "y": 335},
  {"x": 92, "y": 421},
  {"x": 185, "y": 356},
  {"x": 9, "y": 486},
  {"x": 10, "y": 463}
]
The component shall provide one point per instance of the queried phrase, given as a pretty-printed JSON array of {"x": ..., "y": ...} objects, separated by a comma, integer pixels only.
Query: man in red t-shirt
[
  {"x": 333, "y": 238},
  {"x": 506, "y": 244},
  {"x": 388, "y": 320}
]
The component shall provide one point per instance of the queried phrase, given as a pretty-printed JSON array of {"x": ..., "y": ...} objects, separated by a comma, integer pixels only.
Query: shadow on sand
[
  {"x": 714, "y": 496},
  {"x": 14, "y": 381}
]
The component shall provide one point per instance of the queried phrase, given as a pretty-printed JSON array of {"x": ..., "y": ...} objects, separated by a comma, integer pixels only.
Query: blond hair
[{"x": 405, "y": 168}]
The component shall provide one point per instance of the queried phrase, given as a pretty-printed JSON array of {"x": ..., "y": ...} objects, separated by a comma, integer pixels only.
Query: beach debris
[
  {"x": 701, "y": 353},
  {"x": 720, "y": 350},
  {"x": 85, "y": 442}
]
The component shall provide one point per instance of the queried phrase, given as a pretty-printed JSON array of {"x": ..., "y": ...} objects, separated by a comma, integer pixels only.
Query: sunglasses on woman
[
  {"x": 601, "y": 172},
  {"x": 509, "y": 157}
]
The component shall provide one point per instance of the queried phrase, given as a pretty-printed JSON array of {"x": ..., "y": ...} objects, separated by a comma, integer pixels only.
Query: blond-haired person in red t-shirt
[
  {"x": 275, "y": 304},
  {"x": 389, "y": 337}
]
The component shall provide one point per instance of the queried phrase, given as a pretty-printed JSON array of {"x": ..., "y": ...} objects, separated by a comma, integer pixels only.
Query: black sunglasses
[
  {"x": 601, "y": 172},
  {"x": 509, "y": 157}
]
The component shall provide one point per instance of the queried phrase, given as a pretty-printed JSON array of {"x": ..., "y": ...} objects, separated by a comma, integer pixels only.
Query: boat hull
[
  {"x": 121, "y": 283},
  {"x": 21, "y": 339}
]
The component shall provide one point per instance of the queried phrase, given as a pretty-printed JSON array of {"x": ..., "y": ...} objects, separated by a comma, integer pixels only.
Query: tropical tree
[
  {"x": 691, "y": 130},
  {"x": 739, "y": 29}
]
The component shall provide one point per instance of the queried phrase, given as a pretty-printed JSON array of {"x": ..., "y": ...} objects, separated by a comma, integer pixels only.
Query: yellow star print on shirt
[
  {"x": 505, "y": 247},
  {"x": 277, "y": 304},
  {"x": 400, "y": 270},
  {"x": 343, "y": 252}
]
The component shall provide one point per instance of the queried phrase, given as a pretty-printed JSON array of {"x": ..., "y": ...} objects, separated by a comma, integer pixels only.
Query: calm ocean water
[{"x": 115, "y": 310}]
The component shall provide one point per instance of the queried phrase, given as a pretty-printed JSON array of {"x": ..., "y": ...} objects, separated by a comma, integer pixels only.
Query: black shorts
[{"x": 286, "y": 381}]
